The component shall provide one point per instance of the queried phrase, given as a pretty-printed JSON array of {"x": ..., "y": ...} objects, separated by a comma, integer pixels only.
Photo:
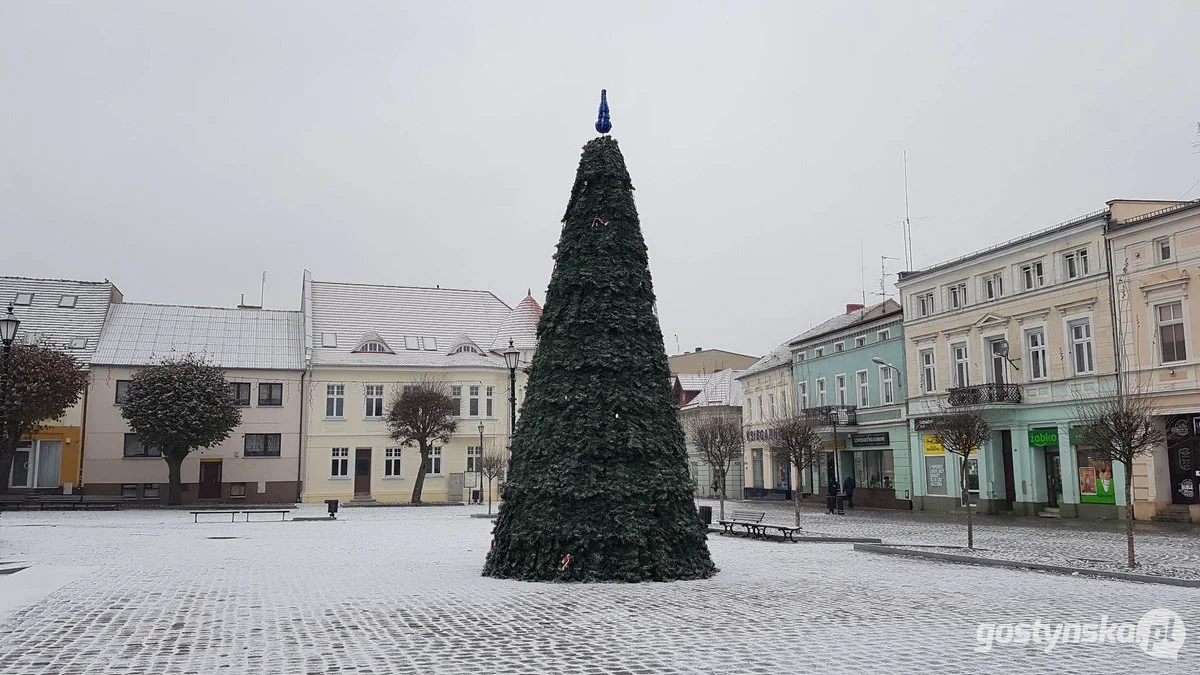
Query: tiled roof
[
  {"x": 264, "y": 339},
  {"x": 780, "y": 356},
  {"x": 520, "y": 326},
  {"x": 54, "y": 325},
  {"x": 844, "y": 321},
  {"x": 691, "y": 382},
  {"x": 419, "y": 324},
  {"x": 721, "y": 389}
]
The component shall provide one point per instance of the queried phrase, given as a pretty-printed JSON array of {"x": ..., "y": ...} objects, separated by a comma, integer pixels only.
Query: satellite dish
[{"x": 1000, "y": 347}]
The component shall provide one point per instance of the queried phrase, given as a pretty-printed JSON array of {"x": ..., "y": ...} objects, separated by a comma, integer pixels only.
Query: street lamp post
[
  {"x": 479, "y": 463},
  {"x": 512, "y": 358},
  {"x": 8, "y": 333}
]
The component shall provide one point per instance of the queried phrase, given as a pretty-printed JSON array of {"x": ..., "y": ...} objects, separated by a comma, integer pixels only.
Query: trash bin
[
  {"x": 333, "y": 507},
  {"x": 706, "y": 514}
]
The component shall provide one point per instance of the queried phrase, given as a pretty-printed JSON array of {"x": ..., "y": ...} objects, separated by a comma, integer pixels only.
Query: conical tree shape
[{"x": 599, "y": 469}]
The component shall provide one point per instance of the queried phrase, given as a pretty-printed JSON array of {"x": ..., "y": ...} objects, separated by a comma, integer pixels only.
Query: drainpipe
[
  {"x": 1112, "y": 304},
  {"x": 303, "y": 440},
  {"x": 83, "y": 432}
]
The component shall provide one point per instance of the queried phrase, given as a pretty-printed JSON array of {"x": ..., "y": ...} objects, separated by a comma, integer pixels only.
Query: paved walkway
[{"x": 399, "y": 591}]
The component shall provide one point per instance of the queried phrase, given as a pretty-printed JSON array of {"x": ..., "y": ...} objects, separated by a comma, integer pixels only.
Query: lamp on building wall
[
  {"x": 479, "y": 463},
  {"x": 512, "y": 357},
  {"x": 8, "y": 332},
  {"x": 880, "y": 362}
]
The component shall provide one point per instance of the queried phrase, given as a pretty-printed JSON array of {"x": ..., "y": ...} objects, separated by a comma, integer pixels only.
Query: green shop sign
[{"x": 1042, "y": 438}]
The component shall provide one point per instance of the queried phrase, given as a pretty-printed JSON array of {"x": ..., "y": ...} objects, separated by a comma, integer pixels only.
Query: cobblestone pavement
[
  {"x": 1166, "y": 549},
  {"x": 398, "y": 591}
]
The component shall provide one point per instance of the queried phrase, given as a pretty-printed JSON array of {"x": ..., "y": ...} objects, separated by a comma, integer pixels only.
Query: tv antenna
[
  {"x": 907, "y": 221},
  {"x": 883, "y": 275}
]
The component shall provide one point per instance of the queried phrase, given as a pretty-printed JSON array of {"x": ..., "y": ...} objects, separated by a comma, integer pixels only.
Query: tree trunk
[
  {"x": 796, "y": 489},
  {"x": 8, "y": 451},
  {"x": 174, "y": 479},
  {"x": 489, "y": 496},
  {"x": 721, "y": 494},
  {"x": 966, "y": 497},
  {"x": 420, "y": 482},
  {"x": 1129, "y": 514}
]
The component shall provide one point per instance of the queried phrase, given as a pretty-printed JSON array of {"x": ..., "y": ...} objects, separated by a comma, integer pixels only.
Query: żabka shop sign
[{"x": 1043, "y": 438}]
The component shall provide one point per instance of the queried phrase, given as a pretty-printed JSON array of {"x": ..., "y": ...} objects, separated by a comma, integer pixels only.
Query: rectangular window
[
  {"x": 391, "y": 463},
  {"x": 474, "y": 401},
  {"x": 329, "y": 339},
  {"x": 819, "y": 352},
  {"x": 339, "y": 466},
  {"x": 958, "y": 353},
  {"x": 129, "y": 490},
  {"x": 433, "y": 465},
  {"x": 1035, "y": 344},
  {"x": 761, "y": 410},
  {"x": 67, "y": 300},
  {"x": 958, "y": 296},
  {"x": 925, "y": 304},
  {"x": 822, "y": 397},
  {"x": 23, "y": 299},
  {"x": 237, "y": 490},
  {"x": 885, "y": 335},
  {"x": 864, "y": 389},
  {"x": 122, "y": 391},
  {"x": 1075, "y": 263},
  {"x": 270, "y": 393},
  {"x": 860, "y": 341},
  {"x": 887, "y": 393},
  {"x": 803, "y": 395},
  {"x": 993, "y": 286},
  {"x": 134, "y": 448},
  {"x": 1081, "y": 346},
  {"x": 928, "y": 372},
  {"x": 771, "y": 403},
  {"x": 1162, "y": 248},
  {"x": 840, "y": 382},
  {"x": 335, "y": 401},
  {"x": 263, "y": 445},
  {"x": 374, "y": 400},
  {"x": 456, "y": 400},
  {"x": 802, "y": 356},
  {"x": 1172, "y": 347},
  {"x": 150, "y": 491},
  {"x": 783, "y": 402},
  {"x": 1031, "y": 276},
  {"x": 489, "y": 391},
  {"x": 241, "y": 392},
  {"x": 474, "y": 458},
  {"x": 839, "y": 347}
]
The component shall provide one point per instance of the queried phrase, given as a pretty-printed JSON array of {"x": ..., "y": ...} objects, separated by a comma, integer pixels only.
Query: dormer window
[
  {"x": 67, "y": 300},
  {"x": 466, "y": 349},
  {"x": 373, "y": 347},
  {"x": 78, "y": 343}
]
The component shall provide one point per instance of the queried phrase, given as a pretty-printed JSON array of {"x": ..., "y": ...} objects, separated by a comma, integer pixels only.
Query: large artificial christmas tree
[{"x": 598, "y": 487}]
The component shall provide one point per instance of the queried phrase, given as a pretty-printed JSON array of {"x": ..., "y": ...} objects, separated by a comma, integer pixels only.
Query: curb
[
  {"x": 813, "y": 539},
  {"x": 887, "y": 549}
]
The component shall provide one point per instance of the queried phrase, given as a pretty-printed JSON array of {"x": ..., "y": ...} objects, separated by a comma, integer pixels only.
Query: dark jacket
[
  {"x": 833, "y": 487},
  {"x": 849, "y": 485}
]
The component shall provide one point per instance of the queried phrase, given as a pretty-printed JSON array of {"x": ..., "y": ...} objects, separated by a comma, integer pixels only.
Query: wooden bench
[
  {"x": 747, "y": 520},
  {"x": 785, "y": 532},
  {"x": 101, "y": 502},
  {"x": 232, "y": 514},
  {"x": 282, "y": 513},
  {"x": 14, "y": 502},
  {"x": 59, "y": 501}
]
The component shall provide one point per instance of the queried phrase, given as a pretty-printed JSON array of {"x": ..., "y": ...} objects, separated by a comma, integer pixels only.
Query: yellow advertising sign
[
  {"x": 932, "y": 447},
  {"x": 828, "y": 445}
]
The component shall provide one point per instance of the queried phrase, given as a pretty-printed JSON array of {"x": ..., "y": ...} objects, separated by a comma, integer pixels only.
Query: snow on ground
[{"x": 397, "y": 590}]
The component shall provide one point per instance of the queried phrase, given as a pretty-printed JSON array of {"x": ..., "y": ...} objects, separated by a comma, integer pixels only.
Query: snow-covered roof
[
  {"x": 59, "y": 313},
  {"x": 691, "y": 381},
  {"x": 780, "y": 356},
  {"x": 847, "y": 320},
  {"x": 261, "y": 339},
  {"x": 721, "y": 389},
  {"x": 421, "y": 325}
]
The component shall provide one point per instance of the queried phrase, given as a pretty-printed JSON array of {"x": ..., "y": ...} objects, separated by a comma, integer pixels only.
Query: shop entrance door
[
  {"x": 1053, "y": 479},
  {"x": 1006, "y": 455},
  {"x": 210, "y": 480},
  {"x": 362, "y": 471},
  {"x": 1185, "y": 473}
]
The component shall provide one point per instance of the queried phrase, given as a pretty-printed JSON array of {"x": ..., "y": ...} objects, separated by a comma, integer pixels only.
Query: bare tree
[
  {"x": 795, "y": 442},
  {"x": 422, "y": 414},
  {"x": 962, "y": 431},
  {"x": 1120, "y": 429},
  {"x": 718, "y": 439},
  {"x": 492, "y": 465}
]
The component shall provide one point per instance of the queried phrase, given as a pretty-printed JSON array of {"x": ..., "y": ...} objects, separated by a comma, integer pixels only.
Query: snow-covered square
[{"x": 398, "y": 590}]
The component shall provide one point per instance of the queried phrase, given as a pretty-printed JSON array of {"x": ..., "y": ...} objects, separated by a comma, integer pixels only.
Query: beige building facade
[
  {"x": 1023, "y": 331},
  {"x": 767, "y": 395}
]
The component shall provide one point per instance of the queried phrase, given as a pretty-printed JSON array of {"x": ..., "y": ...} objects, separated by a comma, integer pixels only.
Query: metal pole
[
  {"x": 512, "y": 404},
  {"x": 479, "y": 464}
]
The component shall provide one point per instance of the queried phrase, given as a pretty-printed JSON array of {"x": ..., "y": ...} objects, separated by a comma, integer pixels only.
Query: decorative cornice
[{"x": 1075, "y": 305}]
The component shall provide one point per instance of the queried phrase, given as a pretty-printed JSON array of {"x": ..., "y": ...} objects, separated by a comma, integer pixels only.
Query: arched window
[{"x": 373, "y": 347}]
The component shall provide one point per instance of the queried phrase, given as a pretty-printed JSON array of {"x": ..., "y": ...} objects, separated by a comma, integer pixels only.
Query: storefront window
[
  {"x": 874, "y": 469},
  {"x": 972, "y": 469},
  {"x": 756, "y": 461}
]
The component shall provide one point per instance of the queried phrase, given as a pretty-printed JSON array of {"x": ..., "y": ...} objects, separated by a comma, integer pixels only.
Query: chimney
[
  {"x": 853, "y": 307},
  {"x": 699, "y": 349}
]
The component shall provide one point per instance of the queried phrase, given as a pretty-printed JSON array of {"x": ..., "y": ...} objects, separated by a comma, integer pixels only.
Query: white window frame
[
  {"x": 803, "y": 387},
  {"x": 819, "y": 352},
  {"x": 488, "y": 409},
  {"x": 989, "y": 354},
  {"x": 335, "y": 394},
  {"x": 1163, "y": 251},
  {"x": 474, "y": 452},
  {"x": 887, "y": 390},
  {"x": 863, "y": 381},
  {"x": 373, "y": 402},
  {"x": 960, "y": 364},
  {"x": 839, "y": 347},
  {"x": 801, "y": 356},
  {"x": 884, "y": 335},
  {"x": 393, "y": 467},
  {"x": 924, "y": 304},
  {"x": 839, "y": 382},
  {"x": 993, "y": 286},
  {"x": 1180, "y": 320},
  {"x": 1088, "y": 344},
  {"x": 860, "y": 341},
  {"x": 339, "y": 466},
  {"x": 473, "y": 400},
  {"x": 957, "y": 295},
  {"x": 1031, "y": 351},
  {"x": 1036, "y": 277},
  {"x": 762, "y": 412},
  {"x": 435, "y": 462},
  {"x": 1075, "y": 264},
  {"x": 822, "y": 393},
  {"x": 771, "y": 403},
  {"x": 928, "y": 370}
]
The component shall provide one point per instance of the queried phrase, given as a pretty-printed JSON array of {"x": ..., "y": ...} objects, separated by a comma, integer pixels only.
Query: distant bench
[
  {"x": 753, "y": 526},
  {"x": 43, "y": 502},
  {"x": 282, "y": 513}
]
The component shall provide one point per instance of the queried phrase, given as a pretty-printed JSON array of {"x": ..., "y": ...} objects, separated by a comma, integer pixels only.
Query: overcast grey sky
[{"x": 182, "y": 148}]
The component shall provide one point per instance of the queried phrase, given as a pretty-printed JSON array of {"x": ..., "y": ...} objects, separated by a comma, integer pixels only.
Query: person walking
[
  {"x": 848, "y": 488},
  {"x": 831, "y": 500}
]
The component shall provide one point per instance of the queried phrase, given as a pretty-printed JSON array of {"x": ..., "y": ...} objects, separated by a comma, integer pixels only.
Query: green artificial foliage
[{"x": 599, "y": 468}]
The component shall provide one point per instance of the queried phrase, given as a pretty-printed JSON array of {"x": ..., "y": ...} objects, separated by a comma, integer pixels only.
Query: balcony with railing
[
  {"x": 828, "y": 415},
  {"x": 985, "y": 394}
]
